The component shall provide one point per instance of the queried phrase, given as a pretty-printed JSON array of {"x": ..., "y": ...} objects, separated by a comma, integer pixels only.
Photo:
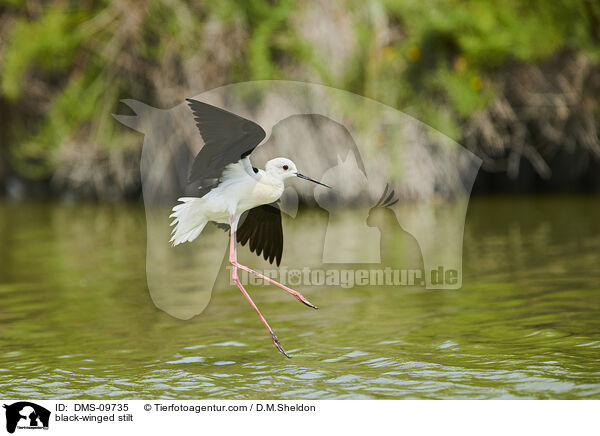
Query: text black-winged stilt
[{"x": 229, "y": 186}]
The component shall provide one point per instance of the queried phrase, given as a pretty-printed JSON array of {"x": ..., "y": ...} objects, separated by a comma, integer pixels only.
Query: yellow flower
[
  {"x": 414, "y": 54},
  {"x": 475, "y": 83}
]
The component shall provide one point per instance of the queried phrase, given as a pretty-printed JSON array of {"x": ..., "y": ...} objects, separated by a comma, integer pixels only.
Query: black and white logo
[{"x": 26, "y": 415}]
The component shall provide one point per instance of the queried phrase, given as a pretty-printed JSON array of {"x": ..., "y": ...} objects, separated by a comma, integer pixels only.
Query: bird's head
[{"x": 282, "y": 168}]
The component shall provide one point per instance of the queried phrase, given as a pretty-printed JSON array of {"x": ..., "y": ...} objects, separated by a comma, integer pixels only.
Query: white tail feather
[{"x": 189, "y": 220}]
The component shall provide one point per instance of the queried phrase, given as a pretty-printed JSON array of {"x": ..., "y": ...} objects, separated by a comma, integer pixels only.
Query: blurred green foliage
[
  {"x": 66, "y": 64},
  {"x": 453, "y": 48}
]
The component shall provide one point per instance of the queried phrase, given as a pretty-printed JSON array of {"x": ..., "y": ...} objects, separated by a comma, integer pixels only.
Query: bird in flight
[{"x": 230, "y": 187}]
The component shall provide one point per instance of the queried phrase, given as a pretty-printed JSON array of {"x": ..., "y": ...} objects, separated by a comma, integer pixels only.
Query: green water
[{"x": 77, "y": 321}]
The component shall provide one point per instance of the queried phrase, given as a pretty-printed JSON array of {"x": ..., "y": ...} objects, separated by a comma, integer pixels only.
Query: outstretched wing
[
  {"x": 262, "y": 227},
  {"x": 227, "y": 139}
]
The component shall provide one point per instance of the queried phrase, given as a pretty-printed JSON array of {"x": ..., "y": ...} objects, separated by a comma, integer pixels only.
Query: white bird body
[{"x": 239, "y": 190}]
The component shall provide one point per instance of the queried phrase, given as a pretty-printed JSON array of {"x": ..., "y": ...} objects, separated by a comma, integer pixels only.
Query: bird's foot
[
  {"x": 303, "y": 299},
  {"x": 278, "y": 345}
]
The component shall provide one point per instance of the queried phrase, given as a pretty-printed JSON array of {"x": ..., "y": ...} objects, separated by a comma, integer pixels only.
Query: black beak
[{"x": 302, "y": 176}]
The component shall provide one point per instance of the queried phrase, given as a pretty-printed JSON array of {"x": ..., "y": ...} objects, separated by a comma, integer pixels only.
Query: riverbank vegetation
[{"x": 517, "y": 82}]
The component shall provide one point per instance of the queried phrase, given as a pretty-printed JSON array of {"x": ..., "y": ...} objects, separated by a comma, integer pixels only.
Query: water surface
[{"x": 77, "y": 321}]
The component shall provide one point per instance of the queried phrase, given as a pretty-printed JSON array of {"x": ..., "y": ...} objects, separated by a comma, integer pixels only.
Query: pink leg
[
  {"x": 296, "y": 294},
  {"x": 234, "y": 276}
]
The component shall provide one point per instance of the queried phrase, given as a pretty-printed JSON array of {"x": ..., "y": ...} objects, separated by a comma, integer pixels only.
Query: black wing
[
  {"x": 262, "y": 227},
  {"x": 227, "y": 139}
]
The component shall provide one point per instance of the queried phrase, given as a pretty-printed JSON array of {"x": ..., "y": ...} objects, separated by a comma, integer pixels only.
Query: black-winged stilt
[{"x": 229, "y": 186}]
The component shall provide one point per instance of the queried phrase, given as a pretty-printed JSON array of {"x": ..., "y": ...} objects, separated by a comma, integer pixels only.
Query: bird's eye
[{"x": 285, "y": 168}]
